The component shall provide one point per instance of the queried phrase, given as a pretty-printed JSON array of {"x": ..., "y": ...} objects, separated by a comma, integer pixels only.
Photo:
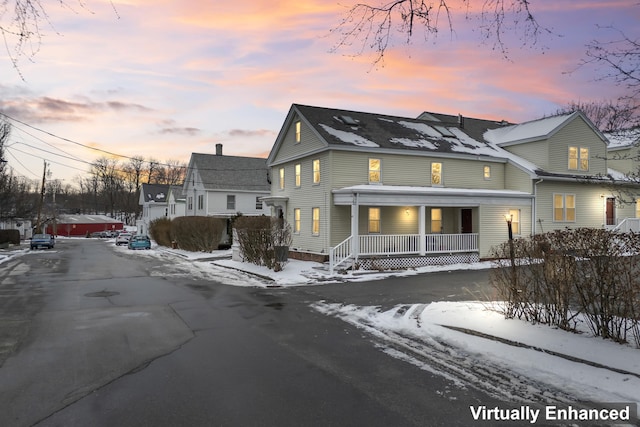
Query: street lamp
[{"x": 509, "y": 219}]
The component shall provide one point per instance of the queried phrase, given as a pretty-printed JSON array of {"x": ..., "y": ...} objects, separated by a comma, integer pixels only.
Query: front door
[
  {"x": 467, "y": 220},
  {"x": 611, "y": 211}
]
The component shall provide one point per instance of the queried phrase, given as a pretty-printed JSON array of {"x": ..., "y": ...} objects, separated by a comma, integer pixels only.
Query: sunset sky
[{"x": 164, "y": 78}]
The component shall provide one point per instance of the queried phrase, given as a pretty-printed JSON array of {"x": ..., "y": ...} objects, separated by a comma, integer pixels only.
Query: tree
[
  {"x": 5, "y": 177},
  {"x": 606, "y": 115},
  {"x": 21, "y": 23},
  {"x": 372, "y": 27}
]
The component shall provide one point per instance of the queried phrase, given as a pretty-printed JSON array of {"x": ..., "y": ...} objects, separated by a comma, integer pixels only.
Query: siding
[
  {"x": 351, "y": 168},
  {"x": 577, "y": 133},
  {"x": 516, "y": 179},
  {"x": 493, "y": 226},
  {"x": 536, "y": 152},
  {"x": 590, "y": 207},
  {"x": 289, "y": 149},
  {"x": 623, "y": 160}
]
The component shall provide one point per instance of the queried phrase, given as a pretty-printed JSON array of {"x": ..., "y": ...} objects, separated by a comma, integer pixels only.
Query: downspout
[{"x": 535, "y": 204}]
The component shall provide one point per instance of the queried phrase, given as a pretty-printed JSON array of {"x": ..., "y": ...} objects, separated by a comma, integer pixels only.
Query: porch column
[
  {"x": 355, "y": 239},
  {"x": 422, "y": 230}
]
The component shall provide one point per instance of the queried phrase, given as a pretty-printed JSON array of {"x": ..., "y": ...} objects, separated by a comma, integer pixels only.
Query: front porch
[{"x": 401, "y": 251}]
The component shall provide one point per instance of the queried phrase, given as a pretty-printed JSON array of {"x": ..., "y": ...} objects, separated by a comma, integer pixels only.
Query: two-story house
[
  {"x": 158, "y": 201},
  {"x": 402, "y": 192},
  {"x": 225, "y": 186}
]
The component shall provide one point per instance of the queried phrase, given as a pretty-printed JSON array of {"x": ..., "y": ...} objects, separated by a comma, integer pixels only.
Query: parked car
[
  {"x": 123, "y": 239},
  {"x": 139, "y": 242},
  {"x": 42, "y": 241}
]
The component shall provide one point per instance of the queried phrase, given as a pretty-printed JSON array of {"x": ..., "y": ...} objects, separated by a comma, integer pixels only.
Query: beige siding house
[{"x": 397, "y": 192}]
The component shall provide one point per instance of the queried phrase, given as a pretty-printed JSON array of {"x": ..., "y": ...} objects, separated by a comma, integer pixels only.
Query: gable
[{"x": 220, "y": 172}]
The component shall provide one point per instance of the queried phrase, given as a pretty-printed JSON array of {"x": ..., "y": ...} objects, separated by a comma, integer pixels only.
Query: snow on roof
[
  {"x": 349, "y": 137},
  {"x": 422, "y": 128},
  {"x": 623, "y": 139},
  {"x": 397, "y": 189},
  {"x": 525, "y": 131}
]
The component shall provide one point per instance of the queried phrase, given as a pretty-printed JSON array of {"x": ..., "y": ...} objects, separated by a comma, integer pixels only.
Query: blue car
[
  {"x": 43, "y": 241},
  {"x": 139, "y": 242}
]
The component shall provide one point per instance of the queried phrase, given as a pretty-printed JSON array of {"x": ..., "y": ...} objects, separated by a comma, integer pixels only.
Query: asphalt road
[{"x": 96, "y": 337}]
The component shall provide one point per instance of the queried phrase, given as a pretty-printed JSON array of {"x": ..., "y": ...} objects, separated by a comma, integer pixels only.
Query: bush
[
  {"x": 560, "y": 277},
  {"x": 197, "y": 233},
  {"x": 262, "y": 240},
  {"x": 10, "y": 236},
  {"x": 160, "y": 231}
]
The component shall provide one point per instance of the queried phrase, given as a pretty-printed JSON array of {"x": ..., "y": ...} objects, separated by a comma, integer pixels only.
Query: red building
[{"x": 81, "y": 225}]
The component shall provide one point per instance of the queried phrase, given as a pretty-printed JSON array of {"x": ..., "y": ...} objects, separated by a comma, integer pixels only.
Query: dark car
[
  {"x": 139, "y": 242},
  {"x": 43, "y": 241}
]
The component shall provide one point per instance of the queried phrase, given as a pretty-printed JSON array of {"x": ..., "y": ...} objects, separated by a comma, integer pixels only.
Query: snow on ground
[{"x": 580, "y": 365}]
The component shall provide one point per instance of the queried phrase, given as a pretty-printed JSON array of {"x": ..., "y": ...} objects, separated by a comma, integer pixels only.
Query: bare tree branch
[{"x": 371, "y": 28}]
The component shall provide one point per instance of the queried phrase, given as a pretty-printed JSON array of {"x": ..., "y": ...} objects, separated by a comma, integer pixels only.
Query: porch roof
[{"x": 394, "y": 195}]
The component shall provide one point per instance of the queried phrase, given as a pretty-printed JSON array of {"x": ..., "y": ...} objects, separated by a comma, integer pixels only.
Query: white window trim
[{"x": 564, "y": 208}]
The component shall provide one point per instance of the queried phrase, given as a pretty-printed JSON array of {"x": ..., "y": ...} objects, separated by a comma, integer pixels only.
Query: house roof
[
  {"x": 623, "y": 139},
  {"x": 155, "y": 193},
  {"x": 535, "y": 130},
  {"x": 221, "y": 172},
  {"x": 86, "y": 219},
  {"x": 436, "y": 134}
]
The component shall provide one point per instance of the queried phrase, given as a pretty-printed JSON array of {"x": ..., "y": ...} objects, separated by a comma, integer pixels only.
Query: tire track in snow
[{"x": 439, "y": 357}]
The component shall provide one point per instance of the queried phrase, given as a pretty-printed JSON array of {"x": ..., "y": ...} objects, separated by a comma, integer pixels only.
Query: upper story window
[
  {"x": 564, "y": 207},
  {"x": 578, "y": 158},
  {"x": 258, "y": 203},
  {"x": 436, "y": 173},
  {"x": 201, "y": 202},
  {"x": 189, "y": 202},
  {"x": 298, "y": 132},
  {"x": 374, "y": 171},
  {"x": 298, "y": 172},
  {"x": 486, "y": 172},
  {"x": 281, "y": 178},
  {"x": 316, "y": 171},
  {"x": 231, "y": 202}
]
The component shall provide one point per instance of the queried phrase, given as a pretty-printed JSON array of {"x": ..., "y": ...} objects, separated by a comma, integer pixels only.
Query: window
[
  {"x": 579, "y": 158},
  {"x": 282, "y": 178},
  {"x": 201, "y": 202},
  {"x": 374, "y": 220},
  {"x": 258, "y": 203},
  {"x": 173, "y": 209},
  {"x": 487, "y": 172},
  {"x": 231, "y": 202},
  {"x": 436, "y": 220},
  {"x": 315, "y": 221},
  {"x": 564, "y": 207},
  {"x": 190, "y": 203},
  {"x": 436, "y": 173},
  {"x": 296, "y": 220},
  {"x": 297, "y": 170},
  {"x": 374, "y": 171},
  {"x": 298, "y": 132},
  {"x": 316, "y": 171},
  {"x": 515, "y": 220}
]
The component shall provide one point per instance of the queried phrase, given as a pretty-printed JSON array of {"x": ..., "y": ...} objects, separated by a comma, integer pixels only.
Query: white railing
[
  {"x": 380, "y": 244},
  {"x": 340, "y": 253},
  {"x": 450, "y": 243},
  {"x": 402, "y": 244},
  {"x": 628, "y": 224}
]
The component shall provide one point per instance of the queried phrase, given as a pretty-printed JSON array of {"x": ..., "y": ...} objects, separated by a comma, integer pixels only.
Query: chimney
[
  {"x": 218, "y": 149},
  {"x": 461, "y": 121}
]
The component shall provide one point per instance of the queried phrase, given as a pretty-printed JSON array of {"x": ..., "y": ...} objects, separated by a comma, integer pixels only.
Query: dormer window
[{"x": 578, "y": 158}]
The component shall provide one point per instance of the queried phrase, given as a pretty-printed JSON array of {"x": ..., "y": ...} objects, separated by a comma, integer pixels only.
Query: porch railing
[
  {"x": 340, "y": 253},
  {"x": 628, "y": 224},
  {"x": 406, "y": 244},
  {"x": 402, "y": 244}
]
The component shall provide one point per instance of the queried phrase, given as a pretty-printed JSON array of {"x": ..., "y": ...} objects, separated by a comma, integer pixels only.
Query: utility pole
[{"x": 44, "y": 178}]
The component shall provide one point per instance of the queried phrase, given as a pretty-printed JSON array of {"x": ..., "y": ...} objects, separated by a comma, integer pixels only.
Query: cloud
[
  {"x": 246, "y": 133},
  {"x": 187, "y": 131}
]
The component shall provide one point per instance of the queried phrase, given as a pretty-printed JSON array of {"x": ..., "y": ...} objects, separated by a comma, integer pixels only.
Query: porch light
[{"x": 406, "y": 211}]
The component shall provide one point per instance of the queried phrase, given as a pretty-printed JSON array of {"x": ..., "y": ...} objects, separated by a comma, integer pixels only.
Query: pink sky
[{"x": 165, "y": 78}]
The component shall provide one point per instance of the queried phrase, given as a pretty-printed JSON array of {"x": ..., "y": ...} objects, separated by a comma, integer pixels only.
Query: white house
[{"x": 154, "y": 200}]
